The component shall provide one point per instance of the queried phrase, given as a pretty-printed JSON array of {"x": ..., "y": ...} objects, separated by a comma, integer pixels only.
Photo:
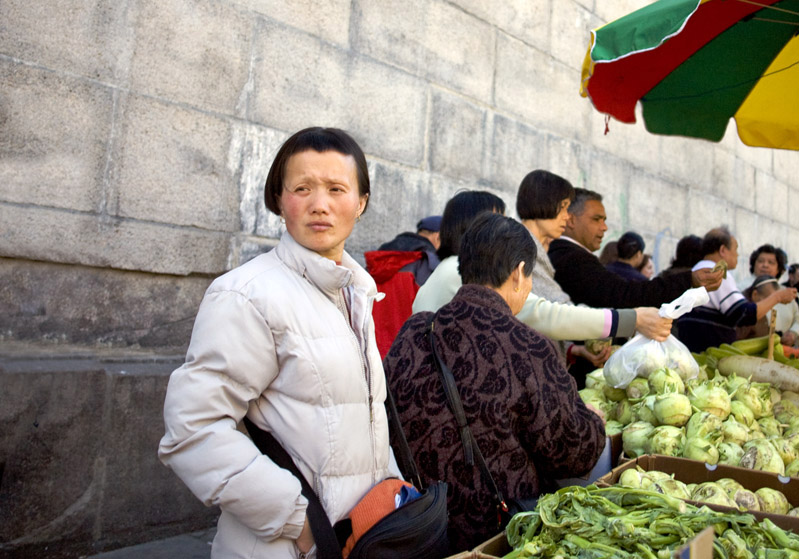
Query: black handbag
[
  {"x": 506, "y": 507},
  {"x": 416, "y": 529}
]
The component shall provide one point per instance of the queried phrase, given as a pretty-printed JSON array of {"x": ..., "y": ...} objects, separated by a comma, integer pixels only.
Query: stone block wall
[
  {"x": 135, "y": 138},
  {"x": 137, "y": 135}
]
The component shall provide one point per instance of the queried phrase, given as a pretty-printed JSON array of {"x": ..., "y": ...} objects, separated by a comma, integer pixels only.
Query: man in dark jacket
[{"x": 583, "y": 277}]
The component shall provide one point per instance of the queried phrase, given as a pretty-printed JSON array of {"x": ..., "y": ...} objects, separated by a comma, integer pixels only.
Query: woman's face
[
  {"x": 554, "y": 228},
  {"x": 321, "y": 200},
  {"x": 649, "y": 269},
  {"x": 766, "y": 264}
]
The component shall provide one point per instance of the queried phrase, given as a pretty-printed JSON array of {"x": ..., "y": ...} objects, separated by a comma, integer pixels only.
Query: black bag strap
[
  {"x": 470, "y": 448},
  {"x": 405, "y": 458},
  {"x": 327, "y": 545}
]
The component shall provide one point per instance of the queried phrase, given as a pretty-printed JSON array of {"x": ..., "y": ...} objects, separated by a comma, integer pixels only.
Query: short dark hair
[
  {"x": 491, "y": 248},
  {"x": 317, "y": 139},
  {"x": 761, "y": 283},
  {"x": 540, "y": 194},
  {"x": 629, "y": 244},
  {"x": 715, "y": 239},
  {"x": 779, "y": 254},
  {"x": 458, "y": 215},
  {"x": 581, "y": 196},
  {"x": 688, "y": 252},
  {"x": 793, "y": 267}
]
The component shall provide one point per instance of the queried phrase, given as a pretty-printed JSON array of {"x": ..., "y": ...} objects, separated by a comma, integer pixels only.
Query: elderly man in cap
[{"x": 429, "y": 229}]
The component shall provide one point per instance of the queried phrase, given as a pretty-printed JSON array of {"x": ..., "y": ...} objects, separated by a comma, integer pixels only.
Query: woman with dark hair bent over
[{"x": 521, "y": 404}]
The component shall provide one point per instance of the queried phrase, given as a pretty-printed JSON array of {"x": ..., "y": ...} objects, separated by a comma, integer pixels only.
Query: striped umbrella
[{"x": 694, "y": 64}]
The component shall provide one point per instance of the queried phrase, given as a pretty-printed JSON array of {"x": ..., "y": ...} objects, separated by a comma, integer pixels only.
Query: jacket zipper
[{"x": 367, "y": 378}]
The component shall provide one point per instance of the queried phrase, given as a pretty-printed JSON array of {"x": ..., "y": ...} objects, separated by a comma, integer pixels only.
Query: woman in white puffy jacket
[{"x": 287, "y": 340}]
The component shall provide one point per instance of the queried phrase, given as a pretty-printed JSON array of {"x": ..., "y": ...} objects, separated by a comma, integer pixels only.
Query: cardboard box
[
  {"x": 694, "y": 471},
  {"x": 491, "y": 549},
  {"x": 700, "y": 547}
]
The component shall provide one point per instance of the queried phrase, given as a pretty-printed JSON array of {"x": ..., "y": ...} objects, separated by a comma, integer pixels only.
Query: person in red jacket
[{"x": 399, "y": 267}]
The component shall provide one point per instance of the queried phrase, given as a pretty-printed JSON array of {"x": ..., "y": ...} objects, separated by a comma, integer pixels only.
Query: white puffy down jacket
[{"x": 272, "y": 340}]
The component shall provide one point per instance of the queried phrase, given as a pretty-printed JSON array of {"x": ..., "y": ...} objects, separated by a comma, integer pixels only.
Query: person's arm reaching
[{"x": 784, "y": 295}]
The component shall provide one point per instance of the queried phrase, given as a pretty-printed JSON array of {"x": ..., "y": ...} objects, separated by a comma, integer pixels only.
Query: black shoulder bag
[
  {"x": 506, "y": 508},
  {"x": 416, "y": 529}
]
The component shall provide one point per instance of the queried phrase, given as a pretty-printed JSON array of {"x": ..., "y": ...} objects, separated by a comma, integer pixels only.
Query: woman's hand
[
  {"x": 707, "y": 278},
  {"x": 305, "y": 539},
  {"x": 651, "y": 325},
  {"x": 786, "y": 295},
  {"x": 597, "y": 360}
]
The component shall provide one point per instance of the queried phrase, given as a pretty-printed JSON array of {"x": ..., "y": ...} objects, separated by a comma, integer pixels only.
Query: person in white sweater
[{"x": 555, "y": 320}]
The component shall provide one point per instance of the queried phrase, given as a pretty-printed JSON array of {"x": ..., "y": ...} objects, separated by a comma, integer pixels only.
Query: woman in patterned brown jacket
[{"x": 521, "y": 404}]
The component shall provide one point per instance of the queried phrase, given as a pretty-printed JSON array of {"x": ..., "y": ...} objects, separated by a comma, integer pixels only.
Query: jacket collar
[
  {"x": 322, "y": 272},
  {"x": 482, "y": 296}
]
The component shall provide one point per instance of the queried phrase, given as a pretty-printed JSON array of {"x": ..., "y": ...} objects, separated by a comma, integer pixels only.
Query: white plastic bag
[{"x": 641, "y": 356}]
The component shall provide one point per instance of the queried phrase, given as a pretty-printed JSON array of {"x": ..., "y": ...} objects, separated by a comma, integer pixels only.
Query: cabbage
[
  {"x": 760, "y": 454},
  {"x": 672, "y": 409},
  {"x": 643, "y": 410},
  {"x": 632, "y": 477},
  {"x": 732, "y": 382},
  {"x": 785, "y": 449},
  {"x": 702, "y": 449},
  {"x": 613, "y": 427},
  {"x": 792, "y": 469},
  {"x": 711, "y": 492},
  {"x": 734, "y": 432},
  {"x": 785, "y": 411},
  {"x": 770, "y": 426},
  {"x": 635, "y": 438},
  {"x": 742, "y": 413},
  {"x": 730, "y": 454},
  {"x": 638, "y": 388},
  {"x": 776, "y": 395},
  {"x": 744, "y": 499},
  {"x": 667, "y": 440},
  {"x": 613, "y": 394},
  {"x": 792, "y": 428},
  {"x": 624, "y": 411},
  {"x": 595, "y": 379},
  {"x": 665, "y": 381},
  {"x": 712, "y": 398},
  {"x": 773, "y": 501},
  {"x": 701, "y": 424},
  {"x": 757, "y": 397},
  {"x": 595, "y": 398},
  {"x": 672, "y": 488}
]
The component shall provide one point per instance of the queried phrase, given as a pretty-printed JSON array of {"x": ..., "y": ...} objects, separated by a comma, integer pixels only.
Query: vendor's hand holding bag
[{"x": 375, "y": 528}]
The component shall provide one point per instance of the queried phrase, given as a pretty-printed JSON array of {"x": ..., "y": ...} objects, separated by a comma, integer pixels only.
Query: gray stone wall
[{"x": 136, "y": 135}]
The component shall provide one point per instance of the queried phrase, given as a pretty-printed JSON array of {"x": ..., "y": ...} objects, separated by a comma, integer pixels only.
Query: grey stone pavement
[{"x": 195, "y": 545}]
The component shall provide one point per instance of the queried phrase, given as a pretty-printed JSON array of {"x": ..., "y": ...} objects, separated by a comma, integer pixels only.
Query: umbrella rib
[
  {"x": 752, "y": 2},
  {"x": 768, "y": 20},
  {"x": 716, "y": 90}
]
